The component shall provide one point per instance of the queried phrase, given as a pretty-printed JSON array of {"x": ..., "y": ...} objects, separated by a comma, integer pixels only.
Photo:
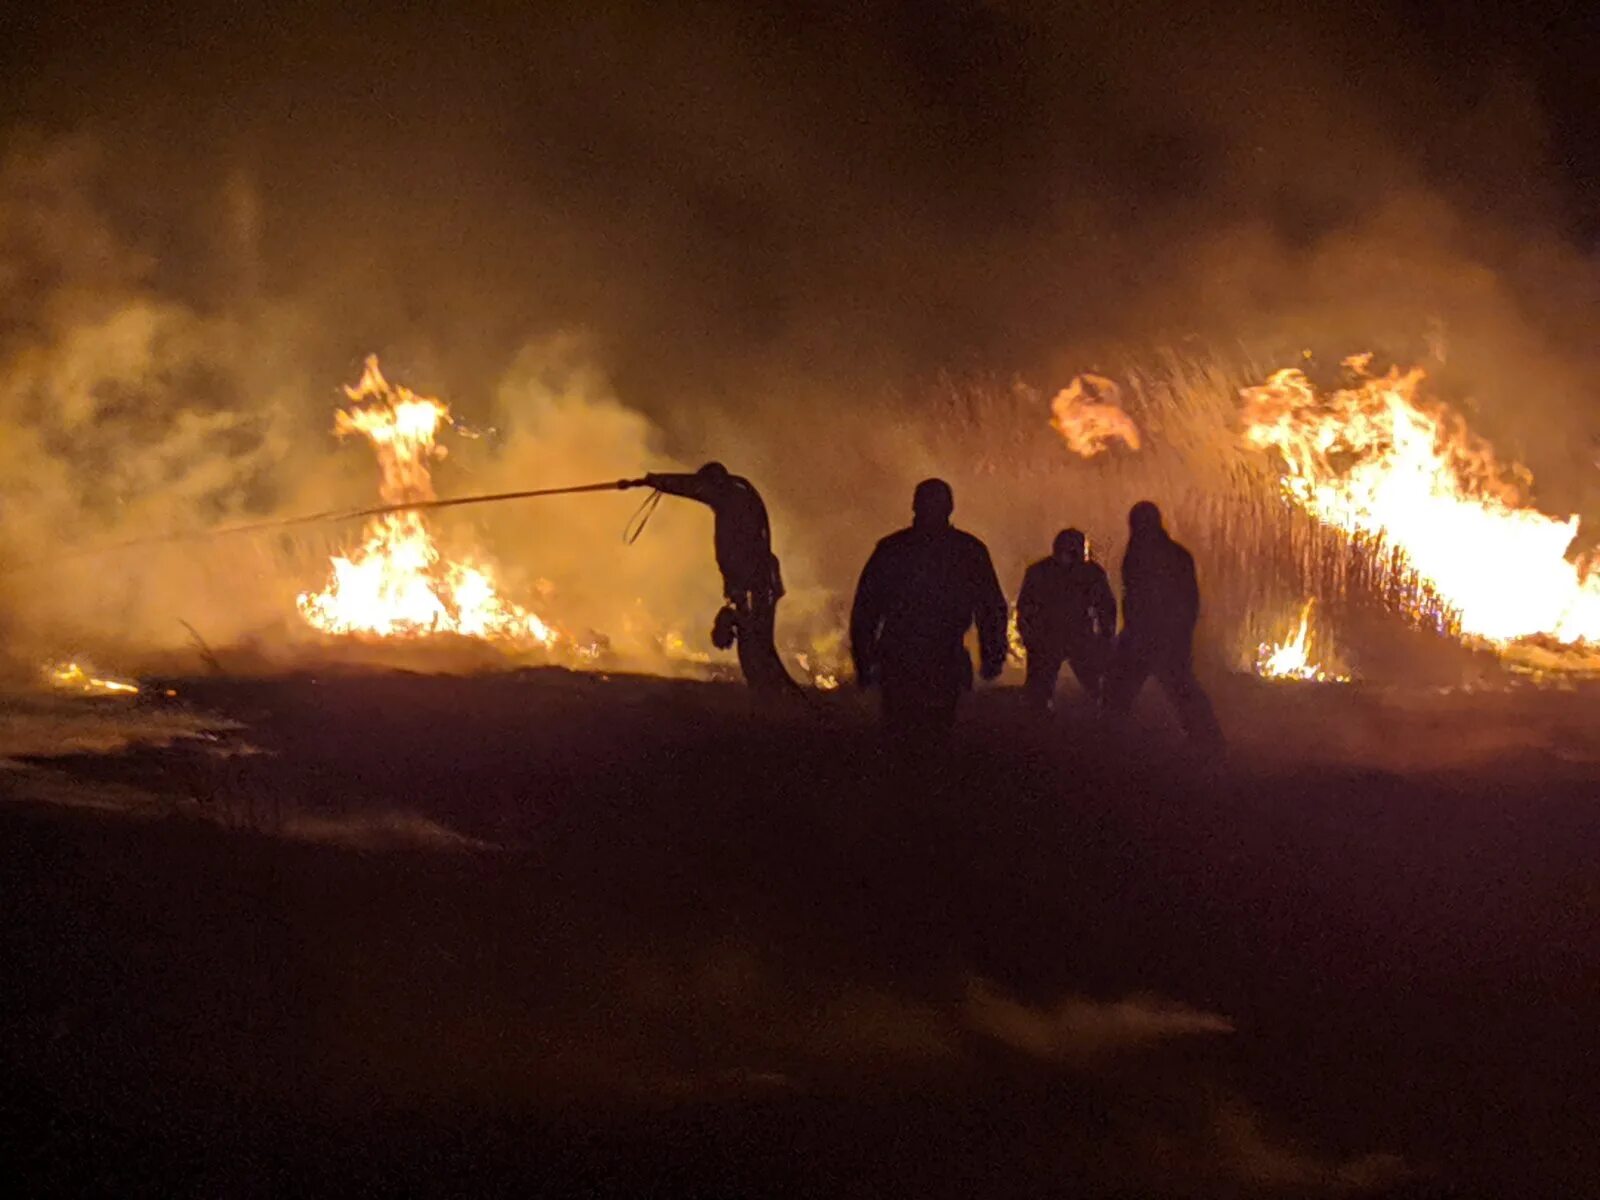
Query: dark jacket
[
  {"x": 1064, "y": 606},
  {"x": 1160, "y": 593},
  {"x": 742, "y": 537},
  {"x": 919, "y": 593}
]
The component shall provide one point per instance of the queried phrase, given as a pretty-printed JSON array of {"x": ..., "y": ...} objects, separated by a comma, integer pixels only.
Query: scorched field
[{"x": 558, "y": 933}]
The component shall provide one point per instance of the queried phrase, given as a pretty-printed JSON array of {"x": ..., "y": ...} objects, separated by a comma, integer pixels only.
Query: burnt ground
[{"x": 560, "y": 935}]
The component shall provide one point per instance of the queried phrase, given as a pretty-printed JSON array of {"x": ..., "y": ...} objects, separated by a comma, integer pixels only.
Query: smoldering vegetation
[{"x": 836, "y": 256}]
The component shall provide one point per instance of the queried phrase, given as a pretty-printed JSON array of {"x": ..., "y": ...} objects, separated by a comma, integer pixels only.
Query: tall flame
[
  {"x": 396, "y": 583},
  {"x": 1374, "y": 460}
]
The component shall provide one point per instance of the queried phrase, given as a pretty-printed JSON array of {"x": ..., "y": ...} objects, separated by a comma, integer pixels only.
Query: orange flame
[
  {"x": 1088, "y": 415},
  {"x": 1373, "y": 459},
  {"x": 1291, "y": 658},
  {"x": 75, "y": 677},
  {"x": 396, "y": 582}
]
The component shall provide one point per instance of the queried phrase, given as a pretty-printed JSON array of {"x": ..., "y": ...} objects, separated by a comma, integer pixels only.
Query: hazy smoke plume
[{"x": 836, "y": 255}]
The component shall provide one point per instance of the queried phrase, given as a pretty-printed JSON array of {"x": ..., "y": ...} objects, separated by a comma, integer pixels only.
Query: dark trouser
[
  {"x": 918, "y": 715},
  {"x": 1088, "y": 663},
  {"x": 1172, "y": 664},
  {"x": 755, "y": 621}
]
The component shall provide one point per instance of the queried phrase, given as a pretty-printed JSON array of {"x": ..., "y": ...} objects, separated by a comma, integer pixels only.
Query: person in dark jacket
[
  {"x": 919, "y": 593},
  {"x": 751, "y": 580},
  {"x": 1160, "y": 606},
  {"x": 1066, "y": 613}
]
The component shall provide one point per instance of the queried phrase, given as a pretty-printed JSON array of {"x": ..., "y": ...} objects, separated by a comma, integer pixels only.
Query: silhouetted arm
[
  {"x": 1187, "y": 591},
  {"x": 1132, "y": 580},
  {"x": 686, "y": 484},
  {"x": 989, "y": 612},
  {"x": 1029, "y": 604},
  {"x": 866, "y": 618}
]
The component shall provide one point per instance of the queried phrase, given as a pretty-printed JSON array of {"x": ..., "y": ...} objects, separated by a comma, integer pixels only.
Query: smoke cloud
[{"x": 839, "y": 253}]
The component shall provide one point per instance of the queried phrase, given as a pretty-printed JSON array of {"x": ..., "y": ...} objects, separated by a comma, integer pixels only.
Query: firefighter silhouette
[
  {"x": 1160, "y": 606},
  {"x": 752, "y": 583},
  {"x": 1066, "y": 614},
  {"x": 920, "y": 592}
]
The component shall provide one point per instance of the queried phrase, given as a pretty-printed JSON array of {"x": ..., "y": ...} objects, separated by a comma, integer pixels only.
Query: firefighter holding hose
[{"x": 751, "y": 581}]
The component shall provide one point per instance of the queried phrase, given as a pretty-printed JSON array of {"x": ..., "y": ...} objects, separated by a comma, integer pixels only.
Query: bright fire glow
[
  {"x": 1373, "y": 459},
  {"x": 1291, "y": 658},
  {"x": 1015, "y": 650},
  {"x": 396, "y": 582},
  {"x": 1088, "y": 415},
  {"x": 74, "y": 677},
  {"x": 821, "y": 678}
]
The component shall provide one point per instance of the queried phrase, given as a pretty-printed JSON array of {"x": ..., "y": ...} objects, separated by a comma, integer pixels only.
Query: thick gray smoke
[{"x": 818, "y": 249}]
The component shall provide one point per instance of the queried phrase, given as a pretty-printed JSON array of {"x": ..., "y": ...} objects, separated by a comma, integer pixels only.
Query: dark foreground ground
[{"x": 554, "y": 935}]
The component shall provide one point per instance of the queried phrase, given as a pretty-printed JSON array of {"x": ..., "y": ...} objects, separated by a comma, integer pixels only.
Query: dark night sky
[{"x": 732, "y": 196}]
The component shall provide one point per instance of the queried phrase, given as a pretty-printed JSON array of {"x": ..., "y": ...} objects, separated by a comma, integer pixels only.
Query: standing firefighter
[
  {"x": 751, "y": 581},
  {"x": 1066, "y": 613},
  {"x": 1160, "y": 606},
  {"x": 919, "y": 593}
]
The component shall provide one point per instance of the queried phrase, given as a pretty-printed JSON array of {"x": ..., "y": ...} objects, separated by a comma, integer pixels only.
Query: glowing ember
[
  {"x": 1291, "y": 658},
  {"x": 396, "y": 583},
  {"x": 1373, "y": 460},
  {"x": 1088, "y": 414},
  {"x": 74, "y": 677},
  {"x": 823, "y": 679}
]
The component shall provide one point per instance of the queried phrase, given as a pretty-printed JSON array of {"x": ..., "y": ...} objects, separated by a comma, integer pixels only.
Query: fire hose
[
  {"x": 353, "y": 514},
  {"x": 635, "y": 526}
]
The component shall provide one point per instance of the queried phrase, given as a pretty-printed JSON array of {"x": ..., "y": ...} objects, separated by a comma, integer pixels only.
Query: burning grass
[
  {"x": 1296, "y": 504},
  {"x": 1260, "y": 557},
  {"x": 397, "y": 582}
]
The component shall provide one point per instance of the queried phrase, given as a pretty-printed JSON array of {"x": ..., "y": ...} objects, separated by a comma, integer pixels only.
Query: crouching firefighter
[
  {"x": 751, "y": 581},
  {"x": 1066, "y": 614}
]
